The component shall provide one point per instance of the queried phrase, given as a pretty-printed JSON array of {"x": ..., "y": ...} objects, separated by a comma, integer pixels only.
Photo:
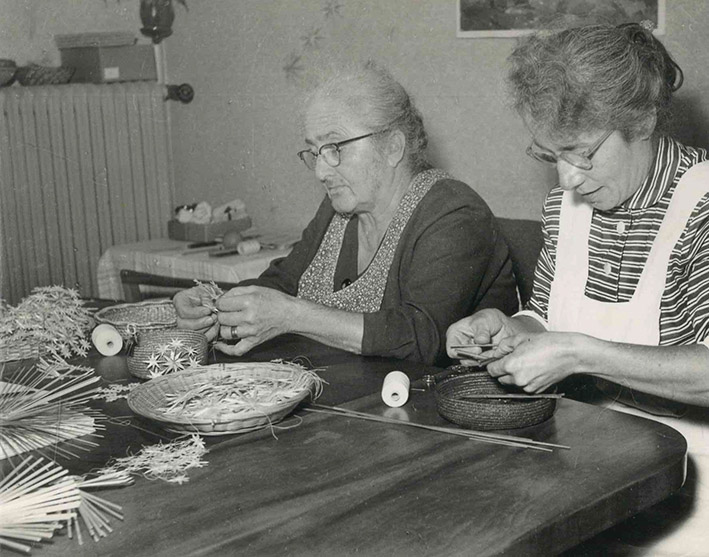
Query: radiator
[{"x": 83, "y": 167}]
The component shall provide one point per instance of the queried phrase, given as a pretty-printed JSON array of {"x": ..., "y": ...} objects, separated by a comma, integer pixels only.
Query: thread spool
[
  {"x": 107, "y": 339},
  {"x": 248, "y": 247},
  {"x": 395, "y": 389}
]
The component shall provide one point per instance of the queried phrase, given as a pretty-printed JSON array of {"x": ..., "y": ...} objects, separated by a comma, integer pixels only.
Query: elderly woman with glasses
[
  {"x": 396, "y": 252},
  {"x": 621, "y": 291}
]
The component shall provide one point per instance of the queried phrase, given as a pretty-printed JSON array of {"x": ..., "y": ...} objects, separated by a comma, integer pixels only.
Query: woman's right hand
[
  {"x": 487, "y": 326},
  {"x": 193, "y": 313}
]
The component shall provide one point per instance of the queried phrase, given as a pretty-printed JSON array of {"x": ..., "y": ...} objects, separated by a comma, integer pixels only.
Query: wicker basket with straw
[
  {"x": 161, "y": 352},
  {"x": 130, "y": 319},
  {"x": 223, "y": 399},
  {"x": 456, "y": 401}
]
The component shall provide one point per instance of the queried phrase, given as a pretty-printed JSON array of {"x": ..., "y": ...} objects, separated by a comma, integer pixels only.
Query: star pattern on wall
[
  {"x": 311, "y": 39},
  {"x": 293, "y": 67},
  {"x": 332, "y": 8}
]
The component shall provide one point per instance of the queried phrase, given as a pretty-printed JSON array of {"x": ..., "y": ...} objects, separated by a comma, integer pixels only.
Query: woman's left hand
[
  {"x": 258, "y": 314},
  {"x": 536, "y": 361}
]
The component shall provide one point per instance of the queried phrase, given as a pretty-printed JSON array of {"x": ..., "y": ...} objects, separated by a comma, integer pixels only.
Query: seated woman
[
  {"x": 620, "y": 289},
  {"x": 396, "y": 252}
]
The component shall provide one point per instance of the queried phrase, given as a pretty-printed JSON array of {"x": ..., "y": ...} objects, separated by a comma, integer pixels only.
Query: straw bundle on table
[
  {"x": 96, "y": 512},
  {"x": 52, "y": 319},
  {"x": 225, "y": 398},
  {"x": 32, "y": 417},
  {"x": 35, "y": 499}
]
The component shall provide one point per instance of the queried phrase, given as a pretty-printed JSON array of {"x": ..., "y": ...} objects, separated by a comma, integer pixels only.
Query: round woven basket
[
  {"x": 487, "y": 414},
  {"x": 151, "y": 398},
  {"x": 187, "y": 345},
  {"x": 152, "y": 315}
]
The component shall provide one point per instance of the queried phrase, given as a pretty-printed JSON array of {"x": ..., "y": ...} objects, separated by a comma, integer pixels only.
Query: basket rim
[
  {"x": 216, "y": 371},
  {"x": 101, "y": 315}
]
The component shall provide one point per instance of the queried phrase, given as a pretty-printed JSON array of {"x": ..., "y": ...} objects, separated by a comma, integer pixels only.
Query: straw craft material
[
  {"x": 168, "y": 462},
  {"x": 96, "y": 512},
  {"x": 37, "y": 412},
  {"x": 113, "y": 392},
  {"x": 456, "y": 402},
  {"x": 494, "y": 438},
  {"x": 209, "y": 293},
  {"x": 52, "y": 319},
  {"x": 225, "y": 398},
  {"x": 159, "y": 353},
  {"x": 35, "y": 499},
  {"x": 132, "y": 319}
]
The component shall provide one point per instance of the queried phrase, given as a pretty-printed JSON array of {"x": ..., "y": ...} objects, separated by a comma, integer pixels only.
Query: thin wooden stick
[
  {"x": 472, "y": 434},
  {"x": 466, "y": 346}
]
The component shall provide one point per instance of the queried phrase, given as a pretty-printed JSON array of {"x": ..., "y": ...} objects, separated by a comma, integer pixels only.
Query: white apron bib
[{"x": 637, "y": 321}]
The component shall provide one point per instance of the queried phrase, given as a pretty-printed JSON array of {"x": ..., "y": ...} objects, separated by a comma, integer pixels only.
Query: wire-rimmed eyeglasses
[
  {"x": 330, "y": 152},
  {"x": 579, "y": 160}
]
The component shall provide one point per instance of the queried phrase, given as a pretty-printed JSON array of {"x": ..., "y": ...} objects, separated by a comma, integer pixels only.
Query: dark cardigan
[{"x": 450, "y": 261}]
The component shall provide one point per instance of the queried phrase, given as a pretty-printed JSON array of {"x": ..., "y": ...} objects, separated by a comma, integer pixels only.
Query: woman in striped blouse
[{"x": 621, "y": 290}]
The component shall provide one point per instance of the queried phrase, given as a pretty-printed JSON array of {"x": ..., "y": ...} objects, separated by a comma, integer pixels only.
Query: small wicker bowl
[
  {"x": 190, "y": 346},
  {"x": 487, "y": 414},
  {"x": 152, "y": 315},
  {"x": 150, "y": 398},
  {"x": 44, "y": 75}
]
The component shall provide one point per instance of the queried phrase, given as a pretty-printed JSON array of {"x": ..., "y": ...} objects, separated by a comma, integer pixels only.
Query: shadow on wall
[{"x": 689, "y": 122}]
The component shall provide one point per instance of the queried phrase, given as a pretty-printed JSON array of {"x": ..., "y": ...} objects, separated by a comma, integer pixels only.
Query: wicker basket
[
  {"x": 150, "y": 399},
  {"x": 191, "y": 345},
  {"x": 44, "y": 75},
  {"x": 487, "y": 414},
  {"x": 151, "y": 315},
  {"x": 20, "y": 352}
]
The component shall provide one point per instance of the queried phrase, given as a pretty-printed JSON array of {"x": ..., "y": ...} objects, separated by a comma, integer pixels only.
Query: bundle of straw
[
  {"x": 165, "y": 461},
  {"x": 52, "y": 319},
  {"x": 34, "y": 500},
  {"x": 36, "y": 412},
  {"x": 96, "y": 512}
]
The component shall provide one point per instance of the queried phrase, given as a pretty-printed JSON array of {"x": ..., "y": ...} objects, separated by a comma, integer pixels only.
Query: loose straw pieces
[
  {"x": 485, "y": 437},
  {"x": 34, "y": 499},
  {"x": 96, "y": 512}
]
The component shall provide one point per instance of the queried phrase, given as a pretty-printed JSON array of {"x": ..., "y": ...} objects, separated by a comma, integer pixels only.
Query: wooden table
[{"x": 337, "y": 486}]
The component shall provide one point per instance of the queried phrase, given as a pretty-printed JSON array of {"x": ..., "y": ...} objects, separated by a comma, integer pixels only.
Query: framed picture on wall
[{"x": 512, "y": 18}]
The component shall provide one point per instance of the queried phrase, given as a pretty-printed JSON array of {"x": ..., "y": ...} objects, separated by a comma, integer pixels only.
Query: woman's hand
[
  {"x": 483, "y": 327},
  {"x": 192, "y": 313},
  {"x": 536, "y": 361},
  {"x": 257, "y": 313}
]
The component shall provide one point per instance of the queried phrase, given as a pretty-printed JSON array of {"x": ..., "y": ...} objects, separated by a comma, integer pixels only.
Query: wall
[
  {"x": 242, "y": 131},
  {"x": 240, "y": 134}
]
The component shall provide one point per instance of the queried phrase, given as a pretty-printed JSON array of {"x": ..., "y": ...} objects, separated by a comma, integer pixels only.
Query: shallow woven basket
[
  {"x": 487, "y": 414},
  {"x": 150, "y": 398},
  {"x": 152, "y": 315},
  {"x": 149, "y": 343}
]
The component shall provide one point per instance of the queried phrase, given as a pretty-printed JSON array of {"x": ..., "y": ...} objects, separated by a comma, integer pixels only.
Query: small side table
[{"x": 172, "y": 258}]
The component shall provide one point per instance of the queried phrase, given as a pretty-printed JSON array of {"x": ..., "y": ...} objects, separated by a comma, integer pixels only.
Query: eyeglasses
[
  {"x": 579, "y": 160},
  {"x": 330, "y": 151}
]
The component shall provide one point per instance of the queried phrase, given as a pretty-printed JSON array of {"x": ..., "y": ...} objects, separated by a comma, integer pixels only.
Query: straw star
[
  {"x": 176, "y": 343},
  {"x": 153, "y": 361}
]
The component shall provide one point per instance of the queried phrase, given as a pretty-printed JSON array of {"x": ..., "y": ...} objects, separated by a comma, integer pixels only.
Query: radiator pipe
[{"x": 183, "y": 93}]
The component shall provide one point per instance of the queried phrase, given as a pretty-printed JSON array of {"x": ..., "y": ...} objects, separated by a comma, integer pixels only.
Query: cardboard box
[
  {"x": 192, "y": 232},
  {"x": 110, "y": 64}
]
